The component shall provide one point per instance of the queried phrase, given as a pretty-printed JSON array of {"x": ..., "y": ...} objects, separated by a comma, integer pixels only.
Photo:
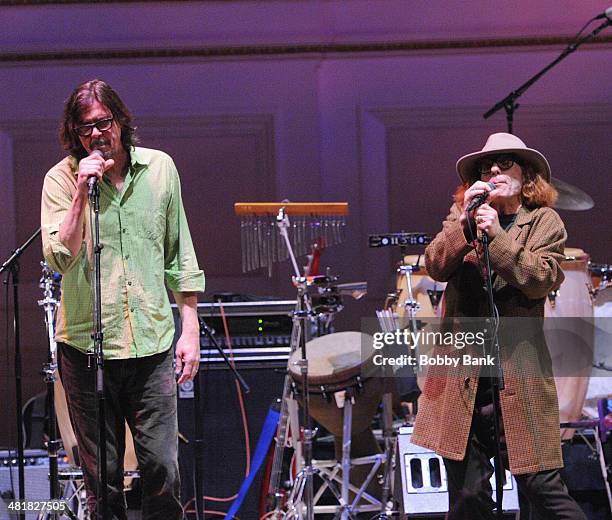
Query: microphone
[
  {"x": 606, "y": 14},
  {"x": 91, "y": 182},
  {"x": 480, "y": 199}
]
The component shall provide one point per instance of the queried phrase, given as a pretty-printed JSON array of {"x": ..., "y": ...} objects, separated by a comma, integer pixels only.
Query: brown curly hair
[
  {"x": 81, "y": 98},
  {"x": 536, "y": 191}
]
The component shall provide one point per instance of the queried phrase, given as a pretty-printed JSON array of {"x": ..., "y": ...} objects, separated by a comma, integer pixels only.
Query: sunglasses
[
  {"x": 505, "y": 162},
  {"x": 102, "y": 125}
]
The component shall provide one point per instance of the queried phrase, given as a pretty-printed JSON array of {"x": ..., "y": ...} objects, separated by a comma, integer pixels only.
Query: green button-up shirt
[{"x": 146, "y": 248}]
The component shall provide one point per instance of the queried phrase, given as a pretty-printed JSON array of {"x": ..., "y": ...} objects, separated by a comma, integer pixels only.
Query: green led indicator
[{"x": 260, "y": 329}]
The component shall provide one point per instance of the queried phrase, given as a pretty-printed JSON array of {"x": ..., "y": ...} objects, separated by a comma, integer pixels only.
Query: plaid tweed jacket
[{"x": 526, "y": 264}]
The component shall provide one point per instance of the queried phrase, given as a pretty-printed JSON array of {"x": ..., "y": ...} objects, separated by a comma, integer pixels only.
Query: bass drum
[
  {"x": 69, "y": 440},
  {"x": 570, "y": 339}
]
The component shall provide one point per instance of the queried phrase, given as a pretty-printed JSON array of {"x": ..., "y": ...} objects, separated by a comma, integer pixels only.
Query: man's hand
[
  {"x": 187, "y": 357},
  {"x": 188, "y": 345},
  {"x": 94, "y": 165},
  {"x": 487, "y": 220}
]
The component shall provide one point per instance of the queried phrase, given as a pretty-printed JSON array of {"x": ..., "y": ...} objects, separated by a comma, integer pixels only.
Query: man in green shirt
[{"x": 146, "y": 248}]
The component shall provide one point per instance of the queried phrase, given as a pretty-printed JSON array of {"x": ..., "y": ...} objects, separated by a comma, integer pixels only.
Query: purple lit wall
[{"x": 369, "y": 102}]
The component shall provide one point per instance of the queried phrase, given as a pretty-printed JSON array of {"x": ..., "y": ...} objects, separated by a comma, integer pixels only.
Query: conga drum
[
  {"x": 337, "y": 362},
  {"x": 570, "y": 339}
]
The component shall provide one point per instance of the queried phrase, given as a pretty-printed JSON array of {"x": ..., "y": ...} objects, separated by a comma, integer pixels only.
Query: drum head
[{"x": 333, "y": 358}]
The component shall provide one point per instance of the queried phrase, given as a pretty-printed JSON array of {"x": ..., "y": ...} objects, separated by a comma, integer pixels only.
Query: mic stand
[
  {"x": 210, "y": 334},
  {"x": 509, "y": 102},
  {"x": 12, "y": 264},
  {"x": 199, "y": 437},
  {"x": 98, "y": 337},
  {"x": 497, "y": 382}
]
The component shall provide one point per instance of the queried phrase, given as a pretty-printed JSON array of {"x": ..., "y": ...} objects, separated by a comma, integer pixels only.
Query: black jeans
[
  {"x": 141, "y": 391},
  {"x": 469, "y": 488}
]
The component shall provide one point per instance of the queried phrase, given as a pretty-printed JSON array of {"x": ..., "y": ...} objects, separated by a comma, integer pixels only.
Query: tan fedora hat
[{"x": 503, "y": 143}]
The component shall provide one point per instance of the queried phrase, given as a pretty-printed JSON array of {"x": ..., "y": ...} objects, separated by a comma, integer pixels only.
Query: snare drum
[
  {"x": 335, "y": 364},
  {"x": 570, "y": 341}
]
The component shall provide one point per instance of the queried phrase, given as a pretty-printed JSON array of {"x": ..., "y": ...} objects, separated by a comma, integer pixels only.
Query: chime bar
[
  {"x": 291, "y": 208},
  {"x": 309, "y": 223}
]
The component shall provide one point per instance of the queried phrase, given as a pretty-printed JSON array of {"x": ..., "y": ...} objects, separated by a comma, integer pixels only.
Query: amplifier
[
  {"x": 260, "y": 332},
  {"x": 36, "y": 472}
]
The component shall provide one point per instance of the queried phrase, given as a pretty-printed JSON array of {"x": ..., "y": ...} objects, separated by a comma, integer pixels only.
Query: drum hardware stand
[
  {"x": 412, "y": 307},
  {"x": 301, "y": 314},
  {"x": 497, "y": 382},
  {"x": 98, "y": 354},
  {"x": 509, "y": 103},
  {"x": 12, "y": 265},
  {"x": 49, "y": 303},
  {"x": 390, "y": 436}
]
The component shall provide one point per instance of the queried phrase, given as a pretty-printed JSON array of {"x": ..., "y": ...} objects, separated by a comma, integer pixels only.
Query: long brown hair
[
  {"x": 81, "y": 98},
  {"x": 536, "y": 191}
]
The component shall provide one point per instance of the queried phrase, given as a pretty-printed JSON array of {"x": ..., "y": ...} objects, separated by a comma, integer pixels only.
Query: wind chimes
[{"x": 310, "y": 222}]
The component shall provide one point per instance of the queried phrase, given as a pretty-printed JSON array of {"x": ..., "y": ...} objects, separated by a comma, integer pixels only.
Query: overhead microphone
[{"x": 480, "y": 199}]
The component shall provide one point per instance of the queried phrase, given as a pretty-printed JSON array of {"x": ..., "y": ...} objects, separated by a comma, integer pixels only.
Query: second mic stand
[
  {"x": 98, "y": 337},
  {"x": 205, "y": 330},
  {"x": 497, "y": 382},
  {"x": 12, "y": 264}
]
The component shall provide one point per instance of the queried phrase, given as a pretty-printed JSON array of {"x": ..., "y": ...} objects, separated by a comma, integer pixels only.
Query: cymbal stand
[
  {"x": 301, "y": 314},
  {"x": 412, "y": 307},
  {"x": 49, "y": 284}
]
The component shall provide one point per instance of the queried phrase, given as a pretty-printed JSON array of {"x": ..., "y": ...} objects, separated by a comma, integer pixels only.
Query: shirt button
[
  {"x": 124, "y": 230},
  {"x": 129, "y": 283},
  {"x": 132, "y": 309},
  {"x": 466, "y": 382},
  {"x": 127, "y": 257}
]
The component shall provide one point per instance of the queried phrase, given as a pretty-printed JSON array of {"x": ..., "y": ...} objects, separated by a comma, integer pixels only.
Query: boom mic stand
[
  {"x": 98, "y": 337},
  {"x": 12, "y": 264},
  {"x": 509, "y": 103},
  {"x": 199, "y": 438}
]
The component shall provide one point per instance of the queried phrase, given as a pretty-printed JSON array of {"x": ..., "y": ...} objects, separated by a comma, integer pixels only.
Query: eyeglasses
[
  {"x": 102, "y": 126},
  {"x": 505, "y": 162}
]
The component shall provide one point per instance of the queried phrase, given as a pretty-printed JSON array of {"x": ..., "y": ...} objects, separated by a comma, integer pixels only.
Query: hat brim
[{"x": 466, "y": 166}]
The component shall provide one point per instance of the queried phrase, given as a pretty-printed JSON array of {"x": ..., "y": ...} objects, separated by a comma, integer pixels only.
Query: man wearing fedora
[{"x": 526, "y": 241}]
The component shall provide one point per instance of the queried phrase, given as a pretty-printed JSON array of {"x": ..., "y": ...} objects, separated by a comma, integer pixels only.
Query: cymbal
[{"x": 570, "y": 197}]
